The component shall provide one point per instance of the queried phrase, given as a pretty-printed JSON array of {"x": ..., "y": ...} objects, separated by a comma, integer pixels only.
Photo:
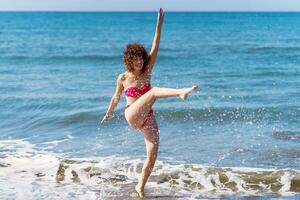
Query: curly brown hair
[{"x": 133, "y": 51}]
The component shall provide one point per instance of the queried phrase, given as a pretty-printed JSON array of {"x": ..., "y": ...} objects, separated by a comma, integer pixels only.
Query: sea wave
[
  {"x": 76, "y": 58},
  {"x": 223, "y": 115},
  {"x": 274, "y": 49},
  {"x": 286, "y": 135},
  {"x": 116, "y": 176},
  {"x": 65, "y": 58},
  {"x": 230, "y": 114}
]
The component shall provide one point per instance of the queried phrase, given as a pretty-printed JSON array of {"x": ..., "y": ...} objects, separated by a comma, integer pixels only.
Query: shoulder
[{"x": 121, "y": 77}]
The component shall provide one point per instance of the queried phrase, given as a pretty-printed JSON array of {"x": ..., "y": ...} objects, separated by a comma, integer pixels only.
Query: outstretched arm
[
  {"x": 155, "y": 44},
  {"x": 115, "y": 99}
]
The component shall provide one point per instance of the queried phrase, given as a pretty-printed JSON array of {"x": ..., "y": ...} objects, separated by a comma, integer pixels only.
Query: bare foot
[
  {"x": 139, "y": 190},
  {"x": 186, "y": 91}
]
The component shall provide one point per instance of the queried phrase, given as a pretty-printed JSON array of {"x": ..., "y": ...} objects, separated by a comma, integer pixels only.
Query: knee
[
  {"x": 151, "y": 160},
  {"x": 153, "y": 155}
]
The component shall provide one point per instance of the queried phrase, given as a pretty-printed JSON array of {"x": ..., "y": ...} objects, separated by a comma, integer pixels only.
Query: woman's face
[{"x": 138, "y": 63}]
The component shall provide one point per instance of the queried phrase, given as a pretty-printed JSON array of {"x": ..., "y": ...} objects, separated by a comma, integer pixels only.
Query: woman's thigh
[{"x": 137, "y": 113}]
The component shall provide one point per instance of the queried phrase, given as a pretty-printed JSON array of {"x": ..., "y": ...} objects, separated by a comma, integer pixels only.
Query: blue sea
[{"x": 237, "y": 137}]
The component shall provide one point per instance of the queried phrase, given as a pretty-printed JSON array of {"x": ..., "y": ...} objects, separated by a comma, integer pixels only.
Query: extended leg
[{"x": 137, "y": 113}]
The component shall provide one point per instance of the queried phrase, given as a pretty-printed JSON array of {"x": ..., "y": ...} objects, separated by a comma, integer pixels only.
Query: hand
[
  {"x": 105, "y": 118},
  {"x": 160, "y": 16}
]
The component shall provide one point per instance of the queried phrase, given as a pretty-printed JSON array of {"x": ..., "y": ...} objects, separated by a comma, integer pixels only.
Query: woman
[{"x": 140, "y": 97}]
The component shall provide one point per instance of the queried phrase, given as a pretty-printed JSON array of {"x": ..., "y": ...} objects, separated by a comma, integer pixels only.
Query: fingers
[
  {"x": 105, "y": 119},
  {"x": 161, "y": 12},
  {"x": 160, "y": 16}
]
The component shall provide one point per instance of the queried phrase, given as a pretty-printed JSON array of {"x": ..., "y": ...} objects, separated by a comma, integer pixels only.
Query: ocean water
[{"x": 237, "y": 137}]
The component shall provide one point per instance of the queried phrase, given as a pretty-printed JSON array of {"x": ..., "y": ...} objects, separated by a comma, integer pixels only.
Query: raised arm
[
  {"x": 155, "y": 44},
  {"x": 115, "y": 99}
]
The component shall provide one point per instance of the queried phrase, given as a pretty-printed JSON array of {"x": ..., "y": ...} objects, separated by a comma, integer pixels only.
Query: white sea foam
[
  {"x": 26, "y": 171},
  {"x": 55, "y": 142}
]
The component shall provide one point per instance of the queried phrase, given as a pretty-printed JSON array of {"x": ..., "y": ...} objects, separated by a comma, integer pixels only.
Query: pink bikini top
[{"x": 136, "y": 92}]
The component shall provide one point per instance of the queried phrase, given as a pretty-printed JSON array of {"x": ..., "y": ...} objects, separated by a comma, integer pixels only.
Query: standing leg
[
  {"x": 136, "y": 114},
  {"x": 151, "y": 137}
]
